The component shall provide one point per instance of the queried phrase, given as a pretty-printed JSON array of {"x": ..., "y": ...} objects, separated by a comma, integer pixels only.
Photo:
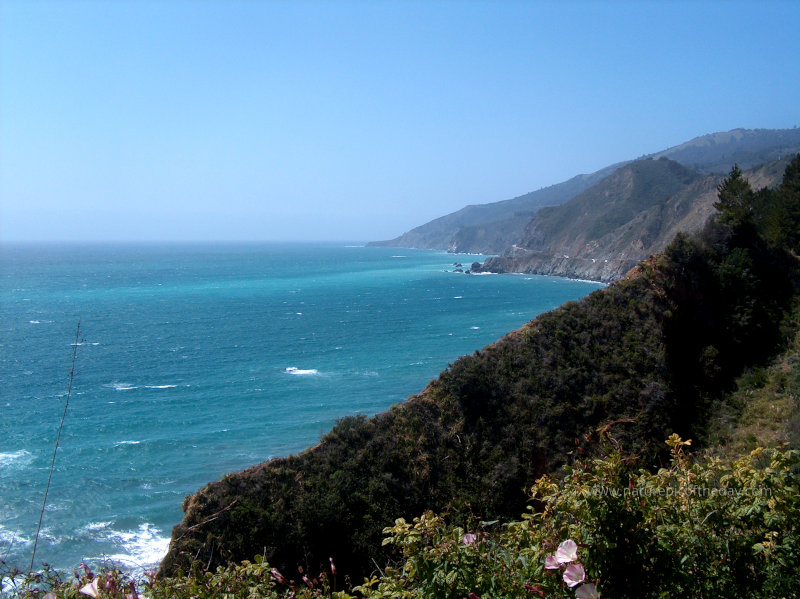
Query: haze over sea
[{"x": 197, "y": 360}]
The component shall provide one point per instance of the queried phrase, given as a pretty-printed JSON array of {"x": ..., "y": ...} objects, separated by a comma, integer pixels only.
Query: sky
[{"x": 210, "y": 120}]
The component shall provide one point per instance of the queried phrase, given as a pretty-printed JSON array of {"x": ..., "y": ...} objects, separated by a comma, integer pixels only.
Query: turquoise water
[{"x": 197, "y": 360}]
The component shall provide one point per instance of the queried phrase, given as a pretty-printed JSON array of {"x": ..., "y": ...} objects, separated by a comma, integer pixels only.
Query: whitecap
[
  {"x": 11, "y": 537},
  {"x": 122, "y": 387},
  {"x": 458, "y": 297},
  {"x": 21, "y": 457},
  {"x": 474, "y": 327},
  {"x": 160, "y": 386},
  {"x": 34, "y": 322},
  {"x": 118, "y": 443},
  {"x": 295, "y": 370}
]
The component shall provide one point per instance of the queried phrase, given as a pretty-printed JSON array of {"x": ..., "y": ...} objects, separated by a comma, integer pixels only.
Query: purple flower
[
  {"x": 567, "y": 552},
  {"x": 551, "y": 563},
  {"x": 587, "y": 591},
  {"x": 91, "y": 588},
  {"x": 469, "y": 538},
  {"x": 574, "y": 575}
]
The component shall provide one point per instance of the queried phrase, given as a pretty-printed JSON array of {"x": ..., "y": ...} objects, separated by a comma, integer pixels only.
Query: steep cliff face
[{"x": 632, "y": 214}]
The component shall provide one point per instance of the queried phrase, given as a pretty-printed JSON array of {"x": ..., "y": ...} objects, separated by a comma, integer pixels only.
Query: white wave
[
  {"x": 160, "y": 386},
  {"x": 118, "y": 443},
  {"x": 474, "y": 328},
  {"x": 399, "y": 256},
  {"x": 295, "y": 370},
  {"x": 21, "y": 457},
  {"x": 10, "y": 537},
  {"x": 458, "y": 297},
  {"x": 34, "y": 322},
  {"x": 122, "y": 386},
  {"x": 144, "y": 547}
]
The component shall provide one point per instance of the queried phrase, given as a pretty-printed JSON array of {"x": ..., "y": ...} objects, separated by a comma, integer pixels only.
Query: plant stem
[{"x": 58, "y": 439}]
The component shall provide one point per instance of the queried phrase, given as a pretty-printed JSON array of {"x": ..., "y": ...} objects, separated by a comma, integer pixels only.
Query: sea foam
[
  {"x": 15, "y": 459},
  {"x": 141, "y": 548},
  {"x": 296, "y": 371}
]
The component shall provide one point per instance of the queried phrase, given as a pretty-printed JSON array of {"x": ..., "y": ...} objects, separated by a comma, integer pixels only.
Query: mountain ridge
[{"x": 497, "y": 228}]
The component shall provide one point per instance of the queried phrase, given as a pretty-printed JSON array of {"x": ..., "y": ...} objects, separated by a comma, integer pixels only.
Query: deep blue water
[{"x": 197, "y": 360}]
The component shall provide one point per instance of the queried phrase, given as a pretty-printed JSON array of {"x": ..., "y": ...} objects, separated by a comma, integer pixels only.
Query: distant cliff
[
  {"x": 499, "y": 227},
  {"x": 630, "y": 215},
  {"x": 487, "y": 228}
]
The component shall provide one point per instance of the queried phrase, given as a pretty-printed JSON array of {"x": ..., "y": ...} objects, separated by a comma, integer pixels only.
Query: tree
[{"x": 736, "y": 199}]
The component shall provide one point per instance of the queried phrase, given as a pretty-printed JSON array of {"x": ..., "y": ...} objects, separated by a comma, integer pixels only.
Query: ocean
[{"x": 195, "y": 360}]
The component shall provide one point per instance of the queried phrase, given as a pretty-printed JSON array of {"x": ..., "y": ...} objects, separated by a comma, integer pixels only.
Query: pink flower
[
  {"x": 469, "y": 538},
  {"x": 91, "y": 588},
  {"x": 567, "y": 552},
  {"x": 551, "y": 563},
  {"x": 574, "y": 575},
  {"x": 587, "y": 591}
]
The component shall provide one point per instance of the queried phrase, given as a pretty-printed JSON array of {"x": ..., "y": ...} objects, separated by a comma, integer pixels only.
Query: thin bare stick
[
  {"x": 211, "y": 518},
  {"x": 58, "y": 439}
]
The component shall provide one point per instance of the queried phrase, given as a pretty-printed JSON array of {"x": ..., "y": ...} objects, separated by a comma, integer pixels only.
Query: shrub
[{"x": 699, "y": 528}]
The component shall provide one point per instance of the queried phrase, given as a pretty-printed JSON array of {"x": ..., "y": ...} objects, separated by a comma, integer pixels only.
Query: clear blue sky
[{"x": 212, "y": 120}]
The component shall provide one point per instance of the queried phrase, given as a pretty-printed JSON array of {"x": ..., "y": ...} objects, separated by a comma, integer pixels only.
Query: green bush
[{"x": 699, "y": 528}]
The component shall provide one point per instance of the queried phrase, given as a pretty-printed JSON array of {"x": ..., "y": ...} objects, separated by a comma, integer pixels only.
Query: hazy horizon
[{"x": 308, "y": 121}]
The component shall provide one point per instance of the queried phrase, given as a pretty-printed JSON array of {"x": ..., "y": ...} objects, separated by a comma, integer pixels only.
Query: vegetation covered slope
[{"x": 653, "y": 353}]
